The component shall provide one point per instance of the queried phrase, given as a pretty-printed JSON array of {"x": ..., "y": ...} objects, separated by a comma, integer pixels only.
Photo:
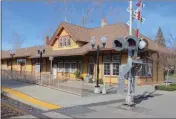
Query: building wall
[
  {"x": 108, "y": 79},
  {"x": 28, "y": 65},
  {"x": 85, "y": 66},
  {"x": 4, "y": 64}
]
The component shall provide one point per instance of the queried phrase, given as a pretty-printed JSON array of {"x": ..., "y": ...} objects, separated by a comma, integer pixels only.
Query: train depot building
[{"x": 71, "y": 50}]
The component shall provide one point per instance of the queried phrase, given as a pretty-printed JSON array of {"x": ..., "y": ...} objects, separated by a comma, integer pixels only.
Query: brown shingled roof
[
  {"x": 79, "y": 33},
  {"x": 23, "y": 52}
]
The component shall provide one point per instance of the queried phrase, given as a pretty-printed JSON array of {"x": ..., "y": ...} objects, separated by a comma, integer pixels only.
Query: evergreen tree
[{"x": 159, "y": 39}]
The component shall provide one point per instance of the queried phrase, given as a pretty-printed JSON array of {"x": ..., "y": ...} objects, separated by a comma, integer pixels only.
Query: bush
[
  {"x": 165, "y": 88},
  {"x": 90, "y": 80},
  {"x": 173, "y": 86},
  {"x": 100, "y": 81},
  {"x": 77, "y": 74}
]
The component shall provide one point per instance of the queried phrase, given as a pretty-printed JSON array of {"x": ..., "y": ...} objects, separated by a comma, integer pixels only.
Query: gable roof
[
  {"x": 82, "y": 34},
  {"x": 78, "y": 33}
]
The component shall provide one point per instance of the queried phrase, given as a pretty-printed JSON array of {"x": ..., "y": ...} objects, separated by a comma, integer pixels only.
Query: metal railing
[{"x": 66, "y": 84}]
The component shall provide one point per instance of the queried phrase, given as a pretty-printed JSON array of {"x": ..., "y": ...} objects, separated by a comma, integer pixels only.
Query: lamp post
[
  {"x": 21, "y": 61},
  {"x": 103, "y": 39},
  {"x": 12, "y": 53},
  {"x": 41, "y": 52}
]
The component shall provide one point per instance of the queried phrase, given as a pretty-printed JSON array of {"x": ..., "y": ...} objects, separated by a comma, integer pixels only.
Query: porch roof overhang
[{"x": 70, "y": 52}]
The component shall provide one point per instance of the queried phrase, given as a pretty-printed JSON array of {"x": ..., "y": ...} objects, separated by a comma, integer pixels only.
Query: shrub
[
  {"x": 77, "y": 74},
  {"x": 100, "y": 81},
  {"x": 90, "y": 80},
  {"x": 165, "y": 88},
  {"x": 173, "y": 86}
]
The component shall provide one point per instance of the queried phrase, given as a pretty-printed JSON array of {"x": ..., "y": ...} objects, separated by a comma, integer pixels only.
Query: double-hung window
[
  {"x": 144, "y": 69},
  {"x": 115, "y": 69},
  {"x": 107, "y": 68},
  {"x": 68, "y": 41},
  {"x": 111, "y": 64},
  {"x": 67, "y": 67},
  {"x": 60, "y": 67},
  {"x": 60, "y": 42},
  {"x": 64, "y": 42},
  {"x": 73, "y": 67},
  {"x": 115, "y": 64},
  {"x": 80, "y": 66}
]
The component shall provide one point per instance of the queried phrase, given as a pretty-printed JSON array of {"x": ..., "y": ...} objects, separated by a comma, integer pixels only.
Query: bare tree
[
  {"x": 172, "y": 47},
  {"x": 16, "y": 41}
]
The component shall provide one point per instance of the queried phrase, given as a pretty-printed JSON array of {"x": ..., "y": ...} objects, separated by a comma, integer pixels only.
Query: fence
[{"x": 66, "y": 84}]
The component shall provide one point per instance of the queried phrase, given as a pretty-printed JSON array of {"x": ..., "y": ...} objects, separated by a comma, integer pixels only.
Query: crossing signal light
[
  {"x": 132, "y": 42},
  {"x": 119, "y": 44},
  {"x": 129, "y": 42}
]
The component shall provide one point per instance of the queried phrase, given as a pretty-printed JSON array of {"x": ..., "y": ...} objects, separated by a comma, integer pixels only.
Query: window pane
[
  {"x": 80, "y": 67},
  {"x": 65, "y": 41},
  {"x": 73, "y": 67},
  {"x": 106, "y": 68},
  {"x": 115, "y": 68},
  {"x": 67, "y": 67},
  {"x": 60, "y": 67},
  {"x": 60, "y": 42},
  {"x": 68, "y": 41}
]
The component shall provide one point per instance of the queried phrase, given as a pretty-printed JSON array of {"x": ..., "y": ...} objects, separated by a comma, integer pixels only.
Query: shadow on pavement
[
  {"x": 15, "y": 83},
  {"x": 145, "y": 96}
]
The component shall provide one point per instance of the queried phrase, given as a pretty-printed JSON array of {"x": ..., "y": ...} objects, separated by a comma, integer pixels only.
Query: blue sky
[{"x": 32, "y": 21}]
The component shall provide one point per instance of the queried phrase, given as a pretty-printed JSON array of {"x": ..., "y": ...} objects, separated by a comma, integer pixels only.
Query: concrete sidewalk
[{"x": 64, "y": 99}]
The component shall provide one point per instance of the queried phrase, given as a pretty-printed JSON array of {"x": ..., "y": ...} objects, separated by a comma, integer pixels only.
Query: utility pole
[
  {"x": 129, "y": 98},
  {"x": 131, "y": 17}
]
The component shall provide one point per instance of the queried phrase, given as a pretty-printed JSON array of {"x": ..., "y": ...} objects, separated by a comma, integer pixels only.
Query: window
[
  {"x": 144, "y": 69},
  {"x": 60, "y": 67},
  {"x": 8, "y": 62},
  {"x": 73, "y": 67},
  {"x": 115, "y": 70},
  {"x": 116, "y": 58},
  {"x": 106, "y": 68},
  {"x": 68, "y": 41},
  {"x": 67, "y": 67},
  {"x": 80, "y": 66},
  {"x": 111, "y": 67},
  {"x": 107, "y": 58},
  {"x": 64, "y": 42},
  {"x": 60, "y": 42}
]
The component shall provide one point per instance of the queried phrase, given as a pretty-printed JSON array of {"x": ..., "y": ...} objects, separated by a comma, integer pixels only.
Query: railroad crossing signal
[{"x": 142, "y": 20}]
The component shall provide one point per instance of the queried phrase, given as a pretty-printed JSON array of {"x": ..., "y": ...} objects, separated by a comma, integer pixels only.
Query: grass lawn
[
  {"x": 171, "y": 87},
  {"x": 172, "y": 76}
]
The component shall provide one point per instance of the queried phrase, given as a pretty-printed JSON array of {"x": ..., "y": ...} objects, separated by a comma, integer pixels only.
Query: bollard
[{"x": 104, "y": 88}]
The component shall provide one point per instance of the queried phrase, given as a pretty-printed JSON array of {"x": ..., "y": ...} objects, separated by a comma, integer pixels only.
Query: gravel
[{"x": 7, "y": 112}]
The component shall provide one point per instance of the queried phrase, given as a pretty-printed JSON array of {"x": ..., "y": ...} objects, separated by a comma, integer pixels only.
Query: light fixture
[
  {"x": 103, "y": 39},
  {"x": 92, "y": 42},
  {"x": 142, "y": 44}
]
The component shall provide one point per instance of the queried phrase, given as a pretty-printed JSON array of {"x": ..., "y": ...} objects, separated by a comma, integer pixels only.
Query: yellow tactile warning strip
[{"x": 30, "y": 99}]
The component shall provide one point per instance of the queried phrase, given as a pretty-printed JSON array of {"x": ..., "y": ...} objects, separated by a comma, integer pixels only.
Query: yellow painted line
[{"x": 30, "y": 99}]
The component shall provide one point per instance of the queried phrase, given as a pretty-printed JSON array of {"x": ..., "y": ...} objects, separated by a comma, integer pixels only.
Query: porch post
[{"x": 51, "y": 63}]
